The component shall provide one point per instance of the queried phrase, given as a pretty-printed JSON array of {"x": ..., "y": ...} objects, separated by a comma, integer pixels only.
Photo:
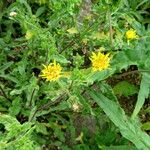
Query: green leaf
[
  {"x": 85, "y": 104},
  {"x": 17, "y": 135},
  {"x": 98, "y": 75},
  {"x": 40, "y": 10},
  {"x": 31, "y": 91},
  {"x": 40, "y": 128},
  {"x": 120, "y": 147},
  {"x": 5, "y": 66},
  {"x": 16, "y": 107},
  {"x": 59, "y": 58},
  {"x": 2, "y": 109},
  {"x": 8, "y": 77},
  {"x": 146, "y": 126},
  {"x": 125, "y": 88},
  {"x": 8, "y": 121},
  {"x": 143, "y": 93},
  {"x": 128, "y": 127}
]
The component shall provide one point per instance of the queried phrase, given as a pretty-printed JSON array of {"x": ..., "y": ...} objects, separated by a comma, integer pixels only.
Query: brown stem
[
  {"x": 131, "y": 72},
  {"x": 67, "y": 46},
  {"x": 46, "y": 106},
  {"x": 51, "y": 103}
]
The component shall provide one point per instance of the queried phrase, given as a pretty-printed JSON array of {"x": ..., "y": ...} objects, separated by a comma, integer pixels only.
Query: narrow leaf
[
  {"x": 143, "y": 93},
  {"x": 128, "y": 128}
]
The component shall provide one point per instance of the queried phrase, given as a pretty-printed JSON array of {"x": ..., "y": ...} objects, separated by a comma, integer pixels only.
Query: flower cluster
[
  {"x": 100, "y": 61},
  {"x": 52, "y": 72}
]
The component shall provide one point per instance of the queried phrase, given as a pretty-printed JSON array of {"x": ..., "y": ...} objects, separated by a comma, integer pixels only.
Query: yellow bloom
[
  {"x": 100, "y": 61},
  {"x": 131, "y": 34},
  {"x": 52, "y": 72}
]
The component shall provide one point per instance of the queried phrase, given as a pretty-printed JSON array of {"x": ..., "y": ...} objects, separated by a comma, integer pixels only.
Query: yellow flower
[
  {"x": 52, "y": 72},
  {"x": 100, "y": 61},
  {"x": 131, "y": 34}
]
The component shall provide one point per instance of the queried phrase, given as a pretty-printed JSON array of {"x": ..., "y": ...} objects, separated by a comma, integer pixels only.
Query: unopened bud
[{"x": 13, "y": 14}]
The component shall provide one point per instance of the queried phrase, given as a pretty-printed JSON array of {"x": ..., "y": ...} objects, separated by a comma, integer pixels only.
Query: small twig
[
  {"x": 128, "y": 73},
  {"x": 67, "y": 46},
  {"x": 46, "y": 58},
  {"x": 4, "y": 94},
  {"x": 51, "y": 103},
  {"x": 30, "y": 103},
  {"x": 110, "y": 29},
  {"x": 46, "y": 106}
]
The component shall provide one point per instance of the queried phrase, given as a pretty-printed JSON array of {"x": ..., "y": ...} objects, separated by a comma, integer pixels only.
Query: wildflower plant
[{"x": 80, "y": 99}]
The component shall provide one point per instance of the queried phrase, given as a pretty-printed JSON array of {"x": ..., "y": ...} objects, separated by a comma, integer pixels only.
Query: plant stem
[
  {"x": 46, "y": 106},
  {"x": 110, "y": 28},
  {"x": 128, "y": 73},
  {"x": 30, "y": 103}
]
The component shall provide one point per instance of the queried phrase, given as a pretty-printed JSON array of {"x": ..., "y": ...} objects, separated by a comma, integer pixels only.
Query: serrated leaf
[
  {"x": 16, "y": 107},
  {"x": 125, "y": 88},
  {"x": 8, "y": 121}
]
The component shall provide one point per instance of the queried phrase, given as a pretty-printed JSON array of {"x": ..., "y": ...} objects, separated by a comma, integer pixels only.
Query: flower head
[
  {"x": 13, "y": 14},
  {"x": 100, "y": 61},
  {"x": 52, "y": 72},
  {"x": 76, "y": 106},
  {"x": 131, "y": 34}
]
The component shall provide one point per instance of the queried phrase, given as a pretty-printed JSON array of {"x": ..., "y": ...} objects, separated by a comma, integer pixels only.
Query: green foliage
[
  {"x": 143, "y": 93},
  {"x": 129, "y": 128},
  {"x": 78, "y": 111},
  {"x": 16, "y": 136},
  {"x": 146, "y": 126},
  {"x": 125, "y": 88}
]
